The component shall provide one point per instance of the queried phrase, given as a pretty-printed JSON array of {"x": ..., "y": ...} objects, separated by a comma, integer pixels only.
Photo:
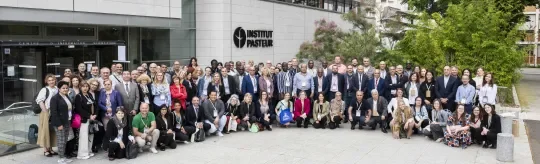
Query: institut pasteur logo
[{"x": 252, "y": 38}]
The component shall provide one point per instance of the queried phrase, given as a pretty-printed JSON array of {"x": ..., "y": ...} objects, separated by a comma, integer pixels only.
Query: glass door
[{"x": 21, "y": 80}]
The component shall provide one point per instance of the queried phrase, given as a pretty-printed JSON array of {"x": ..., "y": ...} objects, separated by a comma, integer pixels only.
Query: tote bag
[{"x": 285, "y": 116}]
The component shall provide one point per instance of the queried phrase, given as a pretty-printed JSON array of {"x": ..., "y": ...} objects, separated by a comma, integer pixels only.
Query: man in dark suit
[
  {"x": 393, "y": 81},
  {"x": 335, "y": 82},
  {"x": 250, "y": 84},
  {"x": 229, "y": 83},
  {"x": 379, "y": 111},
  {"x": 195, "y": 116},
  {"x": 361, "y": 79},
  {"x": 351, "y": 86},
  {"x": 445, "y": 89},
  {"x": 376, "y": 83},
  {"x": 320, "y": 84}
]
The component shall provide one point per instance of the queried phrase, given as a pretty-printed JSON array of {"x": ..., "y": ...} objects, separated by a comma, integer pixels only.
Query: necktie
[
  {"x": 376, "y": 83},
  {"x": 127, "y": 88}
]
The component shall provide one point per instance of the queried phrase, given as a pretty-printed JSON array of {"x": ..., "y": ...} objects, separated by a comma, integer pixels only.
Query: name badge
[
  {"x": 463, "y": 101},
  {"x": 484, "y": 99},
  {"x": 319, "y": 117},
  {"x": 287, "y": 83},
  {"x": 215, "y": 113},
  {"x": 334, "y": 87},
  {"x": 357, "y": 113},
  {"x": 146, "y": 130},
  {"x": 428, "y": 94},
  {"x": 320, "y": 90},
  {"x": 304, "y": 84},
  {"x": 393, "y": 92},
  {"x": 162, "y": 97},
  {"x": 177, "y": 126},
  {"x": 146, "y": 100}
]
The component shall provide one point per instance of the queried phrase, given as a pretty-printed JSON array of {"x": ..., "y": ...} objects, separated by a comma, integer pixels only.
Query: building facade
[
  {"x": 531, "y": 35},
  {"x": 39, "y": 37}
]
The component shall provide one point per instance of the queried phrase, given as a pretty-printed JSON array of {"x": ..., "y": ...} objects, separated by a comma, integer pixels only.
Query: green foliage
[
  {"x": 468, "y": 36},
  {"x": 327, "y": 38},
  {"x": 358, "y": 45}
]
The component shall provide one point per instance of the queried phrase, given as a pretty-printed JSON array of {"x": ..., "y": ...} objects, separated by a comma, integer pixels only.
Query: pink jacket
[{"x": 298, "y": 107}]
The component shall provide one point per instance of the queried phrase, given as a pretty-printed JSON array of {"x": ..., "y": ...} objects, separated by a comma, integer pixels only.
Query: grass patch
[{"x": 523, "y": 95}]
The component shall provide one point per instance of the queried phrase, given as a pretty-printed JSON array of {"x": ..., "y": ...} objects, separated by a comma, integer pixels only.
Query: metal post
[{"x": 536, "y": 36}]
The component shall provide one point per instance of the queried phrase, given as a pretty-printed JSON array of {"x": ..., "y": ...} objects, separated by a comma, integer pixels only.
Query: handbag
[
  {"x": 254, "y": 128},
  {"x": 132, "y": 150},
  {"x": 76, "y": 122},
  {"x": 285, "y": 116},
  {"x": 200, "y": 135},
  {"x": 93, "y": 128}
]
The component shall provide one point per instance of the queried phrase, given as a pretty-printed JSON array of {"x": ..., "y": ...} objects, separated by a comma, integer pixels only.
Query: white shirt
[
  {"x": 254, "y": 82},
  {"x": 334, "y": 86},
  {"x": 226, "y": 85},
  {"x": 320, "y": 82}
]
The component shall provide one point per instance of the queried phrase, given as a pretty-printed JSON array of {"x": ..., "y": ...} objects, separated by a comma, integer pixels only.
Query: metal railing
[{"x": 10, "y": 107}]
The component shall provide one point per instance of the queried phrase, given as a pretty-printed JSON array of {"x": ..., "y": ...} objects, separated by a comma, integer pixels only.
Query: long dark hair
[
  {"x": 480, "y": 115},
  {"x": 491, "y": 81},
  {"x": 462, "y": 118},
  {"x": 191, "y": 61}
]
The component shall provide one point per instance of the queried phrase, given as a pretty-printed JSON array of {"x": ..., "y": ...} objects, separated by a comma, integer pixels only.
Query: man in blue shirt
[
  {"x": 303, "y": 81},
  {"x": 465, "y": 94}
]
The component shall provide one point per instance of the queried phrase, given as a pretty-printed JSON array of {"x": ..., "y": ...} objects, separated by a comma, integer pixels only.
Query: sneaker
[
  {"x": 83, "y": 157},
  {"x": 186, "y": 142},
  {"x": 140, "y": 150},
  {"x": 68, "y": 160},
  {"x": 91, "y": 154},
  {"x": 219, "y": 134},
  {"x": 62, "y": 161},
  {"x": 153, "y": 150}
]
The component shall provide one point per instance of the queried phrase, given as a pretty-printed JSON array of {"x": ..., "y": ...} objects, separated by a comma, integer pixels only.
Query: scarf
[{"x": 118, "y": 124}]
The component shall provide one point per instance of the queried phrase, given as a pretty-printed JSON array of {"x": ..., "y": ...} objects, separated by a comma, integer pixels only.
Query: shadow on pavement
[{"x": 533, "y": 131}]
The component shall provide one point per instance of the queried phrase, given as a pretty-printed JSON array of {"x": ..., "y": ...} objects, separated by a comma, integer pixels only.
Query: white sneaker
[
  {"x": 153, "y": 150},
  {"x": 83, "y": 157},
  {"x": 220, "y": 134},
  {"x": 186, "y": 142},
  {"x": 62, "y": 161},
  {"x": 140, "y": 150},
  {"x": 91, "y": 154},
  {"x": 68, "y": 160}
]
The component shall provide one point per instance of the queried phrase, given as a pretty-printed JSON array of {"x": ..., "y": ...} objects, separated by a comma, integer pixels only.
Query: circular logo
[{"x": 239, "y": 37}]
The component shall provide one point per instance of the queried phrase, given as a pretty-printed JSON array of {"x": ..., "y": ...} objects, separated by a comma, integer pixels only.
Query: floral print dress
[{"x": 462, "y": 138}]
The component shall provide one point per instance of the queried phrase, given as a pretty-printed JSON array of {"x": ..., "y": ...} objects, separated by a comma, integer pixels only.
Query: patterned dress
[{"x": 462, "y": 138}]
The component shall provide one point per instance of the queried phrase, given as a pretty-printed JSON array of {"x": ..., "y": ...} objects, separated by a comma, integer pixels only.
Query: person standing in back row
[{"x": 445, "y": 89}]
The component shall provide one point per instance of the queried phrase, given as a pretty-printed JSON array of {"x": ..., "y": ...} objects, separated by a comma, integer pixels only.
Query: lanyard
[
  {"x": 146, "y": 126},
  {"x": 358, "y": 109}
]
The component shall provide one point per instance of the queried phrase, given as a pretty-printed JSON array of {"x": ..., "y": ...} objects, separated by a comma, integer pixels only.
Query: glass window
[
  {"x": 112, "y": 33},
  {"x": 155, "y": 44},
  {"x": 19, "y": 30},
  {"x": 70, "y": 31}
]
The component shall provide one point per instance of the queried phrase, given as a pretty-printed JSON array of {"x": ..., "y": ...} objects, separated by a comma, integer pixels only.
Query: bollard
[
  {"x": 505, "y": 147},
  {"x": 506, "y": 122}
]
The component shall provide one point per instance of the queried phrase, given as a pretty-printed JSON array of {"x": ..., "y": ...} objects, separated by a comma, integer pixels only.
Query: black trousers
[
  {"x": 335, "y": 123},
  {"x": 476, "y": 134},
  {"x": 435, "y": 133},
  {"x": 491, "y": 138},
  {"x": 166, "y": 139},
  {"x": 115, "y": 151},
  {"x": 185, "y": 137},
  {"x": 321, "y": 124},
  {"x": 244, "y": 124},
  {"x": 376, "y": 120},
  {"x": 450, "y": 105},
  {"x": 361, "y": 121},
  {"x": 98, "y": 138},
  {"x": 300, "y": 121}
]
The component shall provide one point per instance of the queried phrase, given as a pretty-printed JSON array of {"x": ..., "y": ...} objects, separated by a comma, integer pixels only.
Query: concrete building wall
[{"x": 292, "y": 25}]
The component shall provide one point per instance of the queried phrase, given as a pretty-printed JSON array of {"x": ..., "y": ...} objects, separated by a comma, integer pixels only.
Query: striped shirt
[{"x": 285, "y": 81}]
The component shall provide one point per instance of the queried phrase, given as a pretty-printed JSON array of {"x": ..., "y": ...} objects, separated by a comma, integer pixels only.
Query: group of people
[{"x": 155, "y": 107}]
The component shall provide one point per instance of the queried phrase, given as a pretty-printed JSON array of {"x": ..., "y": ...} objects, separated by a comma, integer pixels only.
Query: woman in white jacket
[
  {"x": 488, "y": 92},
  {"x": 393, "y": 104}
]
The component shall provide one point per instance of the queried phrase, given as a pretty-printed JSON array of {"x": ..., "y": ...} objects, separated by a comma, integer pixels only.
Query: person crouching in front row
[
  {"x": 214, "y": 111},
  {"x": 165, "y": 124},
  {"x": 246, "y": 114},
  {"x": 144, "y": 128}
]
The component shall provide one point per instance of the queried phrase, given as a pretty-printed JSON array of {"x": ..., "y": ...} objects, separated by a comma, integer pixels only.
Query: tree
[
  {"x": 468, "y": 36},
  {"x": 358, "y": 45},
  {"x": 327, "y": 38}
]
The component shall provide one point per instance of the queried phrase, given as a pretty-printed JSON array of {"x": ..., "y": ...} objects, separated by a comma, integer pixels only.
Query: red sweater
[
  {"x": 298, "y": 107},
  {"x": 178, "y": 94}
]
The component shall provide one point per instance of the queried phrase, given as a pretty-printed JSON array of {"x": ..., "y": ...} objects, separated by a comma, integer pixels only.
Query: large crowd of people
[{"x": 154, "y": 107}]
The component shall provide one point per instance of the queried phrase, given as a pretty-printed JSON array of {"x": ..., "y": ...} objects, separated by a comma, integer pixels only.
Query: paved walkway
[
  {"x": 529, "y": 86},
  {"x": 310, "y": 146}
]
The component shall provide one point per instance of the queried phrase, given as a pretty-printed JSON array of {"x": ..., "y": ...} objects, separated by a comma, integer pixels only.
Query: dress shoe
[{"x": 384, "y": 130}]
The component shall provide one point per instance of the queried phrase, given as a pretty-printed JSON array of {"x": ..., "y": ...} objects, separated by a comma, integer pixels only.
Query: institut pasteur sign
[{"x": 252, "y": 38}]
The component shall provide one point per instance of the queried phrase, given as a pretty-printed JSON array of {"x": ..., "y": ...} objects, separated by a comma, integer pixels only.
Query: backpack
[
  {"x": 33, "y": 134},
  {"x": 35, "y": 106}
]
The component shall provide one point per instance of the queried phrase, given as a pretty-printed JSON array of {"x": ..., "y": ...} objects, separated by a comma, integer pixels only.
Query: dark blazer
[
  {"x": 192, "y": 118},
  {"x": 353, "y": 86},
  {"x": 495, "y": 123},
  {"x": 316, "y": 86},
  {"x": 364, "y": 78},
  {"x": 247, "y": 85},
  {"x": 380, "y": 87},
  {"x": 191, "y": 90},
  {"x": 424, "y": 88},
  {"x": 59, "y": 111},
  {"x": 182, "y": 123},
  {"x": 83, "y": 106},
  {"x": 245, "y": 111},
  {"x": 233, "y": 86},
  {"x": 446, "y": 92},
  {"x": 160, "y": 123},
  {"x": 149, "y": 94},
  {"x": 112, "y": 132},
  {"x": 212, "y": 87},
  {"x": 382, "y": 105},
  {"x": 341, "y": 83}
]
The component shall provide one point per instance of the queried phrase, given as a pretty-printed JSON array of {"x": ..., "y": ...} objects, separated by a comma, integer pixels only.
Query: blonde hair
[{"x": 143, "y": 77}]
